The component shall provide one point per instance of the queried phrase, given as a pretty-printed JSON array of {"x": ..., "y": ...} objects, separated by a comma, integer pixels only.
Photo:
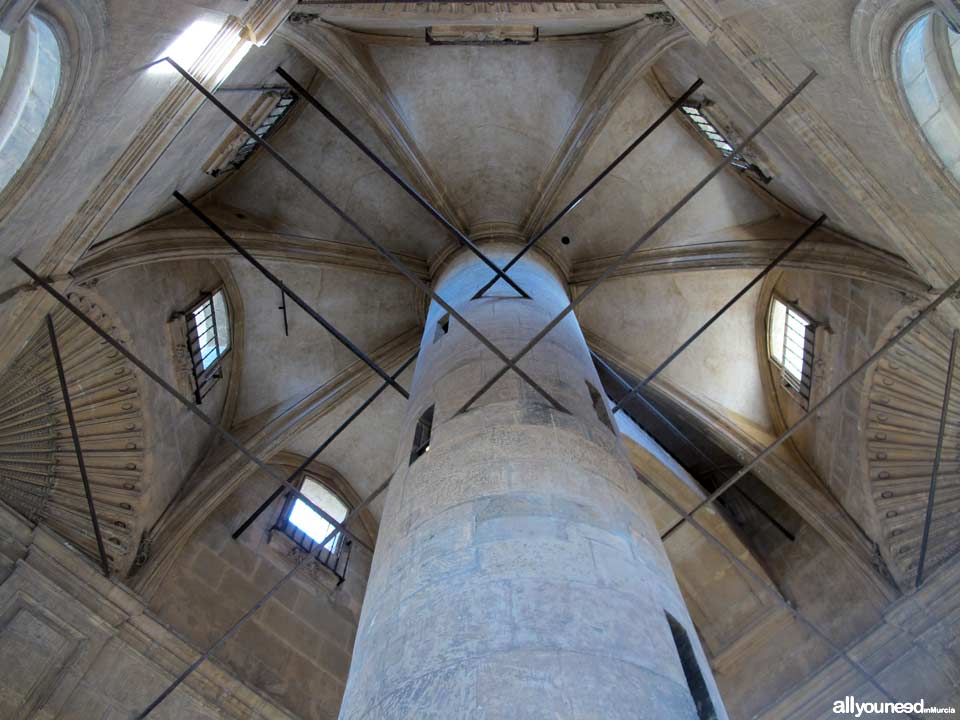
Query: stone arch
[
  {"x": 77, "y": 29},
  {"x": 878, "y": 30}
]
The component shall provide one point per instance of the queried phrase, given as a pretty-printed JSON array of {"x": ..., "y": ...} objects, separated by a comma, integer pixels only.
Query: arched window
[
  {"x": 928, "y": 62},
  {"x": 29, "y": 82}
]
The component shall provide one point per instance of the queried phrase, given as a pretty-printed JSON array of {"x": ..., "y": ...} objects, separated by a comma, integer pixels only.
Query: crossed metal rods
[
  {"x": 390, "y": 257},
  {"x": 420, "y": 200},
  {"x": 510, "y": 362}
]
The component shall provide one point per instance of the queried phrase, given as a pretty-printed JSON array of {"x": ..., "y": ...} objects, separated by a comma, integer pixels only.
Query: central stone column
[{"x": 517, "y": 573}]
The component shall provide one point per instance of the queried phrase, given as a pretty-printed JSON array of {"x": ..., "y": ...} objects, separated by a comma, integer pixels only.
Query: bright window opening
[
  {"x": 208, "y": 338},
  {"x": 696, "y": 114},
  {"x": 308, "y": 521},
  {"x": 790, "y": 342},
  {"x": 188, "y": 46}
]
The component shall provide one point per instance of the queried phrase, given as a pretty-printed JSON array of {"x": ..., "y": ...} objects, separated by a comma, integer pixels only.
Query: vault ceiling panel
[
  {"x": 647, "y": 184},
  {"x": 180, "y": 166},
  {"x": 488, "y": 119},
  {"x": 648, "y": 317},
  {"x": 369, "y": 308},
  {"x": 342, "y": 172}
]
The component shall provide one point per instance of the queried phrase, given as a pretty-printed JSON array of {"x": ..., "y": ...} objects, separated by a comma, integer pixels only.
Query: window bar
[
  {"x": 632, "y": 248},
  {"x": 76, "y": 445},
  {"x": 313, "y": 456},
  {"x": 343, "y": 339},
  {"x": 213, "y": 324},
  {"x": 339, "y": 212},
  {"x": 176, "y": 394},
  {"x": 928, "y": 519},
  {"x": 716, "y": 316},
  {"x": 877, "y": 354},
  {"x": 283, "y": 307},
  {"x": 593, "y": 183}
]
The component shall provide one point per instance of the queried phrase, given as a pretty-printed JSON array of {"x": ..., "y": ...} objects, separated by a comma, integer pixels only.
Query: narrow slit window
[
  {"x": 208, "y": 339},
  {"x": 691, "y": 670},
  {"x": 706, "y": 127},
  {"x": 791, "y": 345},
  {"x": 421, "y": 435},
  {"x": 600, "y": 408},
  {"x": 443, "y": 327}
]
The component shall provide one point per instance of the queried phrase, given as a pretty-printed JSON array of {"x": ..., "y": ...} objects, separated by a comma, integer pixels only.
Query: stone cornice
[
  {"x": 265, "y": 435},
  {"x": 782, "y": 472},
  {"x": 145, "y": 246},
  {"x": 755, "y": 246}
]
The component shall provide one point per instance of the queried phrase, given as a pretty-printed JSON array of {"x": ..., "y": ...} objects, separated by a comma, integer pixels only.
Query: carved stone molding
[
  {"x": 875, "y": 35},
  {"x": 151, "y": 245},
  {"x": 39, "y": 475},
  {"x": 628, "y": 54},
  {"x": 755, "y": 246},
  {"x": 900, "y": 415},
  {"x": 344, "y": 59},
  {"x": 265, "y": 435},
  {"x": 25, "y": 311}
]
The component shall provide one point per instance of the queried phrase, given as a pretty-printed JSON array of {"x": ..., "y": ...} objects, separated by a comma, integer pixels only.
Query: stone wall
[
  {"x": 297, "y": 648},
  {"x": 76, "y": 645},
  {"x": 914, "y": 653}
]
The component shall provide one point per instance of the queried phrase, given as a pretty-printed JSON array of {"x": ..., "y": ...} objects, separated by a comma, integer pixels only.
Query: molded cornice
[
  {"x": 756, "y": 245},
  {"x": 144, "y": 246}
]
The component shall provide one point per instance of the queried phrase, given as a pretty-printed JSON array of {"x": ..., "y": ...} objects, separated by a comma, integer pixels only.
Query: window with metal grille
[
  {"x": 309, "y": 529},
  {"x": 790, "y": 343},
  {"x": 208, "y": 339},
  {"x": 266, "y": 126},
  {"x": 697, "y": 115},
  {"x": 421, "y": 435},
  {"x": 691, "y": 670}
]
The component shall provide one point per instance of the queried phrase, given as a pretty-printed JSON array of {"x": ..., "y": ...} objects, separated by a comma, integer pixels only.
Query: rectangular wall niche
[
  {"x": 600, "y": 408},
  {"x": 691, "y": 670},
  {"x": 421, "y": 435},
  {"x": 443, "y": 327}
]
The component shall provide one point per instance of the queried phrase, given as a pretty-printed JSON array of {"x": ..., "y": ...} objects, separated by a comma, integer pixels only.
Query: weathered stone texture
[{"x": 517, "y": 573}]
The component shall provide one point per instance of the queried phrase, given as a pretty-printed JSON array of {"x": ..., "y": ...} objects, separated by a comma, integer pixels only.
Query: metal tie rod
[
  {"x": 422, "y": 201},
  {"x": 643, "y": 238},
  {"x": 689, "y": 443},
  {"x": 287, "y": 292},
  {"x": 596, "y": 181},
  {"x": 76, "y": 444},
  {"x": 259, "y": 604},
  {"x": 192, "y": 407},
  {"x": 947, "y": 389},
  {"x": 766, "y": 585},
  {"x": 951, "y": 290},
  {"x": 391, "y": 258},
  {"x": 716, "y": 316},
  {"x": 323, "y": 446}
]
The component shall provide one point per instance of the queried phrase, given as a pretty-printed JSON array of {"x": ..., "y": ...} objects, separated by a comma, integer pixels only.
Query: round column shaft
[{"x": 517, "y": 573}]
